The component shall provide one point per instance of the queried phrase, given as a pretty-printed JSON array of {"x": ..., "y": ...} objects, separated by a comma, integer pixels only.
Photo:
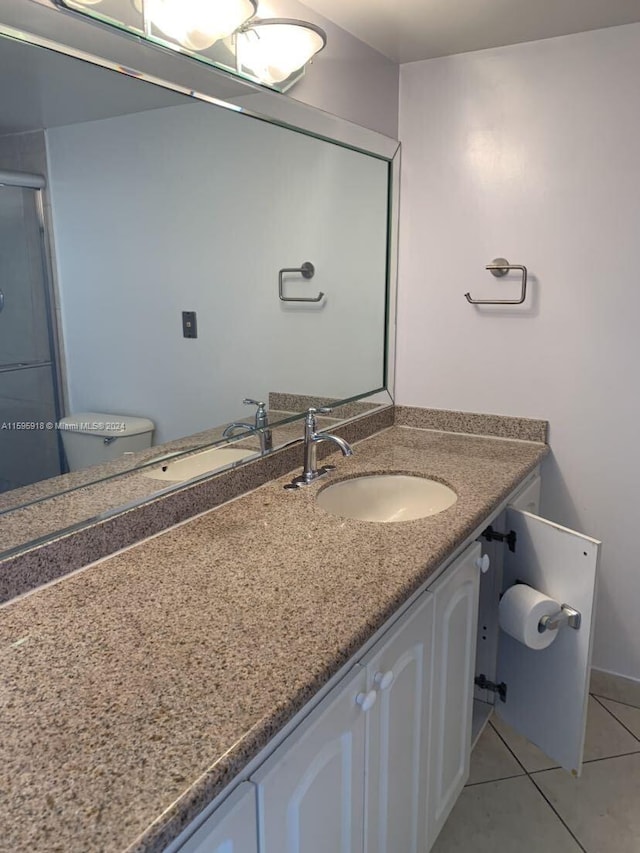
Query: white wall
[
  {"x": 531, "y": 152},
  {"x": 348, "y": 78},
  {"x": 197, "y": 208}
]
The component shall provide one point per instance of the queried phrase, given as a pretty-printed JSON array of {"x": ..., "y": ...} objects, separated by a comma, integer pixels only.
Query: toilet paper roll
[{"x": 521, "y": 609}]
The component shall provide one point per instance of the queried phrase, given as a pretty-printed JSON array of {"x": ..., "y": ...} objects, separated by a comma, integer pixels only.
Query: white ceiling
[{"x": 408, "y": 30}]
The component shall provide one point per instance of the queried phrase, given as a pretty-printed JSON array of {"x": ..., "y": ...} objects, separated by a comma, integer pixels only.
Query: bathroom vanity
[
  {"x": 271, "y": 677},
  {"x": 380, "y": 762}
]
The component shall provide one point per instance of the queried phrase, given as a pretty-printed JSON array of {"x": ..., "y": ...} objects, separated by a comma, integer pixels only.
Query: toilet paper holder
[{"x": 565, "y": 617}]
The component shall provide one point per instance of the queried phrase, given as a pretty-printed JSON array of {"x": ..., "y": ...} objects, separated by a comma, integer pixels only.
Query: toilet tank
[{"x": 91, "y": 438}]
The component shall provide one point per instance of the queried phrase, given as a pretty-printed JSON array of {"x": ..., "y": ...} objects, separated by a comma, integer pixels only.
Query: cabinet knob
[
  {"x": 383, "y": 680},
  {"x": 366, "y": 700},
  {"x": 483, "y": 563}
]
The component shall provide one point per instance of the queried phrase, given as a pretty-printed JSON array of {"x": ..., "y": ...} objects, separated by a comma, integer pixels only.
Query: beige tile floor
[{"x": 518, "y": 801}]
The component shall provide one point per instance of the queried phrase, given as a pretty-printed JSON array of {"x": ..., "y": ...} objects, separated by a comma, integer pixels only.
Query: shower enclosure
[{"x": 29, "y": 406}]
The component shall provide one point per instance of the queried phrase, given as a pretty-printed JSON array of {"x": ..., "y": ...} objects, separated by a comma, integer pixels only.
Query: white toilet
[{"x": 91, "y": 438}]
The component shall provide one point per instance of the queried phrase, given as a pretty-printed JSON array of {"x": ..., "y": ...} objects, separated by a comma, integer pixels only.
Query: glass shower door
[{"x": 29, "y": 445}]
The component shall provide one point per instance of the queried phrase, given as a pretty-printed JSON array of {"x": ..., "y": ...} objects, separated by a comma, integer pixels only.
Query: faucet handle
[
  {"x": 310, "y": 419},
  {"x": 262, "y": 419},
  {"x": 249, "y": 402}
]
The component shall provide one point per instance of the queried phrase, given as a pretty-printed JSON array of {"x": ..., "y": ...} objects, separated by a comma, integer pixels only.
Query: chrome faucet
[
  {"x": 312, "y": 438},
  {"x": 261, "y": 425}
]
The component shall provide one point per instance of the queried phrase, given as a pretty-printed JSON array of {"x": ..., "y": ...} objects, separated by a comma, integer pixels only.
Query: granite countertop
[{"x": 135, "y": 690}]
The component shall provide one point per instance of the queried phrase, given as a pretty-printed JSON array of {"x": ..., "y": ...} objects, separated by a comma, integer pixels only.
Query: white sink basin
[
  {"x": 386, "y": 498},
  {"x": 200, "y": 463}
]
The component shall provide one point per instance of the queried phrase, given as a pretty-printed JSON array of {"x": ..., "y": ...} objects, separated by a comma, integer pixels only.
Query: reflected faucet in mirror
[
  {"x": 260, "y": 425},
  {"x": 312, "y": 438}
]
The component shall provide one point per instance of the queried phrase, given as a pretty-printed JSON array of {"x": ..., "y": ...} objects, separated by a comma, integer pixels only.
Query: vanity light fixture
[
  {"x": 224, "y": 33},
  {"x": 272, "y": 49},
  {"x": 199, "y": 24}
]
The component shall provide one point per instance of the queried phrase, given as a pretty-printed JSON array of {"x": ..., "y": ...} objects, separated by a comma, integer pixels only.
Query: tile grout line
[
  {"x": 616, "y": 718},
  {"x": 600, "y": 696},
  {"x": 590, "y": 761},
  {"x": 532, "y": 780},
  {"x": 611, "y": 757},
  {"x": 555, "y": 811},
  {"x": 501, "y": 779},
  {"x": 617, "y": 701},
  {"x": 524, "y": 769}
]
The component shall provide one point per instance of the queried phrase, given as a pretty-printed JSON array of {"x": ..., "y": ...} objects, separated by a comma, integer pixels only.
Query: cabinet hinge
[
  {"x": 483, "y": 683},
  {"x": 492, "y": 535}
]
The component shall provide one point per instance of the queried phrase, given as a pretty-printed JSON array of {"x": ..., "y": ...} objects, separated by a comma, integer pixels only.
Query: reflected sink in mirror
[
  {"x": 386, "y": 498},
  {"x": 200, "y": 463}
]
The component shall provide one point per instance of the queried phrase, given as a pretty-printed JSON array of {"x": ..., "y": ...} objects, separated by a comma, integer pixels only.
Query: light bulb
[
  {"x": 199, "y": 24},
  {"x": 272, "y": 51}
]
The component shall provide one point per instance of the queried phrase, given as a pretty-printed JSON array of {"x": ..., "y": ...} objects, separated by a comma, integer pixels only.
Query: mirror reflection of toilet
[{"x": 91, "y": 438}]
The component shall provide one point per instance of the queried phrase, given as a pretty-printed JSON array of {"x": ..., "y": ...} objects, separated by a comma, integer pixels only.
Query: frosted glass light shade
[
  {"x": 272, "y": 49},
  {"x": 199, "y": 24}
]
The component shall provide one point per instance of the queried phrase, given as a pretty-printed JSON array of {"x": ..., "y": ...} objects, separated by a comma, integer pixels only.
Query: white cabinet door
[
  {"x": 232, "y": 828},
  {"x": 547, "y": 690},
  {"x": 311, "y": 790},
  {"x": 399, "y": 669},
  {"x": 456, "y": 616}
]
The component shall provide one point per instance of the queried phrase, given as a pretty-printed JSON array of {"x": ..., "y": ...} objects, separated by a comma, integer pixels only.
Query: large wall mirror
[{"x": 161, "y": 260}]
